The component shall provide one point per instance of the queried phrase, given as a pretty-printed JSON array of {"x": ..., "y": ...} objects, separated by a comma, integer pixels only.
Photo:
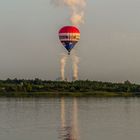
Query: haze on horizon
[{"x": 109, "y": 48}]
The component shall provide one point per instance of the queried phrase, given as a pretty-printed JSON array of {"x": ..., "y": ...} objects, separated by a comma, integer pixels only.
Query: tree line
[{"x": 38, "y": 85}]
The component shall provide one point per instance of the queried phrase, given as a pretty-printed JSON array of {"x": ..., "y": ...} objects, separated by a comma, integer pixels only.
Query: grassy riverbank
[{"x": 66, "y": 94}]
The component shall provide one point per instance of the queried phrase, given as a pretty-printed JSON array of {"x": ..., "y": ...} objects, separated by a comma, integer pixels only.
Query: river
[{"x": 69, "y": 118}]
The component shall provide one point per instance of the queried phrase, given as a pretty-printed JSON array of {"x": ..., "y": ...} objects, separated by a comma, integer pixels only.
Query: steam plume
[
  {"x": 63, "y": 64},
  {"x": 76, "y": 7},
  {"x": 75, "y": 61}
]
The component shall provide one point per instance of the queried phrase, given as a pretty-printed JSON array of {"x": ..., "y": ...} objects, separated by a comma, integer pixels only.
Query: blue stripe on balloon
[{"x": 69, "y": 46}]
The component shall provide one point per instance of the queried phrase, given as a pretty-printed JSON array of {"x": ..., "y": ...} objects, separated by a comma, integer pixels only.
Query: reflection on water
[
  {"x": 69, "y": 127},
  {"x": 70, "y": 119}
]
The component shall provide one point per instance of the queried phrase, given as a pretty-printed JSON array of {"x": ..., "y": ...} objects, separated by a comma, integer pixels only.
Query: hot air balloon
[{"x": 69, "y": 36}]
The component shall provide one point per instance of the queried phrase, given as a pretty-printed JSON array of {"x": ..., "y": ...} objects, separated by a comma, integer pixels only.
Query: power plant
[{"x": 70, "y": 35}]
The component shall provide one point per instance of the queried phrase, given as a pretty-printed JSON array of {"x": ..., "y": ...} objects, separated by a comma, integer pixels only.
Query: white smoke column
[
  {"x": 63, "y": 64},
  {"x": 75, "y": 61},
  {"x": 77, "y": 8}
]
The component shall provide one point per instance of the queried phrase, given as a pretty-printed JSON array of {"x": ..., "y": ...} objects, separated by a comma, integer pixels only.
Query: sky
[{"x": 109, "y": 48}]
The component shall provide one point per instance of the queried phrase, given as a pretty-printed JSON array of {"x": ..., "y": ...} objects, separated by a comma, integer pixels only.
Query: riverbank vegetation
[{"x": 38, "y": 87}]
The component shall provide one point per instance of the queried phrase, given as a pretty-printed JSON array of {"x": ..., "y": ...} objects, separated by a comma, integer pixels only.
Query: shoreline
[{"x": 67, "y": 94}]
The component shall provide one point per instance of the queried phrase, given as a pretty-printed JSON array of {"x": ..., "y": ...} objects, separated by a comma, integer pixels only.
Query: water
[{"x": 70, "y": 119}]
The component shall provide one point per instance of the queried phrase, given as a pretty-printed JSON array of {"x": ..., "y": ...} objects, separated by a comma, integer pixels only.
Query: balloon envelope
[{"x": 69, "y": 36}]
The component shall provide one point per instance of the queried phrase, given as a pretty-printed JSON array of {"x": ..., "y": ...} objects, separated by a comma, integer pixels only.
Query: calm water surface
[{"x": 70, "y": 119}]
